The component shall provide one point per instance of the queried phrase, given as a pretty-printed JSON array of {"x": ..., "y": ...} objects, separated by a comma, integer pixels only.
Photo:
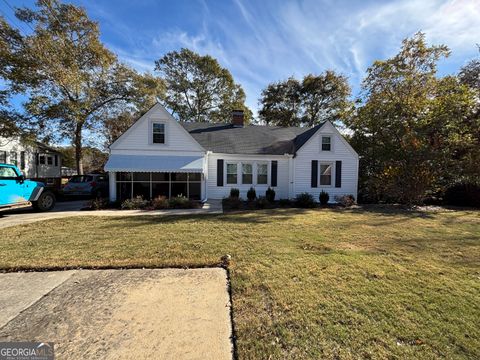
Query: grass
[{"x": 344, "y": 284}]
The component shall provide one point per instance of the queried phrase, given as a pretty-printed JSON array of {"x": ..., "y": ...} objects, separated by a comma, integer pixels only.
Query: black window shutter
[
  {"x": 56, "y": 160},
  {"x": 274, "y": 173},
  {"x": 37, "y": 159},
  {"x": 314, "y": 173},
  {"x": 219, "y": 172},
  {"x": 338, "y": 174}
]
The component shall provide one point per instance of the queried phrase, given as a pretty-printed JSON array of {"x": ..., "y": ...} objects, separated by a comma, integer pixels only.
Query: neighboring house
[
  {"x": 158, "y": 155},
  {"x": 34, "y": 159}
]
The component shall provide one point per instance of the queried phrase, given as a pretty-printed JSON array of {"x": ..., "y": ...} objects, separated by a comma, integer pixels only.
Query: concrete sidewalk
[
  {"x": 120, "y": 314},
  {"x": 63, "y": 210}
]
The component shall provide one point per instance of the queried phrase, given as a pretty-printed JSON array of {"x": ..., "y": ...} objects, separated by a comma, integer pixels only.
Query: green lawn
[{"x": 306, "y": 284}]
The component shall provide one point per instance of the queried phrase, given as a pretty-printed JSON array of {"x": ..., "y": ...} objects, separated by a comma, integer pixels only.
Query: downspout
[
  {"x": 291, "y": 175},
  {"x": 205, "y": 176}
]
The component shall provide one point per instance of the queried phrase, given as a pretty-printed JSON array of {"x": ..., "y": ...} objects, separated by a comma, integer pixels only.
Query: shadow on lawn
[
  {"x": 244, "y": 217},
  {"x": 265, "y": 216},
  {"x": 389, "y": 211}
]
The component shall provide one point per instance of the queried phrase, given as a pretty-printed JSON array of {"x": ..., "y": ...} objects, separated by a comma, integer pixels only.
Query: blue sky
[{"x": 267, "y": 40}]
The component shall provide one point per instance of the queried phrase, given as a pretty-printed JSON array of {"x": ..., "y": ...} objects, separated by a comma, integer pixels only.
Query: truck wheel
[{"x": 45, "y": 202}]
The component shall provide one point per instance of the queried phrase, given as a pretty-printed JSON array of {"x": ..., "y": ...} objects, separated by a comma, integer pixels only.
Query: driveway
[
  {"x": 73, "y": 208},
  {"x": 120, "y": 314}
]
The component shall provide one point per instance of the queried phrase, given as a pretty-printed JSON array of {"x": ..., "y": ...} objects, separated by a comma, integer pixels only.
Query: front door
[{"x": 11, "y": 188}]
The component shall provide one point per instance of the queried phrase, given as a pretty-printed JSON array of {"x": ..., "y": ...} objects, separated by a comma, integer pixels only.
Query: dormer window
[
  {"x": 326, "y": 143},
  {"x": 158, "y": 133}
]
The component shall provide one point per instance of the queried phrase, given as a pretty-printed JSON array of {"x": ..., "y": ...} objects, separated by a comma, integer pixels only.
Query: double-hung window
[
  {"x": 247, "y": 173},
  {"x": 158, "y": 133},
  {"x": 326, "y": 174},
  {"x": 326, "y": 143},
  {"x": 231, "y": 173},
  {"x": 13, "y": 158},
  {"x": 262, "y": 173}
]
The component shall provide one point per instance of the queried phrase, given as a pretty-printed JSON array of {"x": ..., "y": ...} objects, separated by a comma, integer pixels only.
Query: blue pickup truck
[{"x": 16, "y": 191}]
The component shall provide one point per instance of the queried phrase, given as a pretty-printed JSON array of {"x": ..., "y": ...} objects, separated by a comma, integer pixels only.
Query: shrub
[
  {"x": 262, "y": 202},
  {"x": 234, "y": 193},
  {"x": 270, "y": 194},
  {"x": 284, "y": 202},
  {"x": 99, "y": 204},
  {"x": 345, "y": 200},
  {"x": 134, "y": 204},
  {"x": 180, "y": 202},
  {"x": 231, "y": 203},
  {"x": 463, "y": 195},
  {"x": 324, "y": 197},
  {"x": 304, "y": 200},
  {"x": 160, "y": 202},
  {"x": 251, "y": 194}
]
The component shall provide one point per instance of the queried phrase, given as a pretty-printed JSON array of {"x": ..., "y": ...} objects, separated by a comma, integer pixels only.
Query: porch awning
[{"x": 154, "y": 163}]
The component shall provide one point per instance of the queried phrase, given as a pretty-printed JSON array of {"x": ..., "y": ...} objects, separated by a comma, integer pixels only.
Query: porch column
[{"x": 112, "y": 185}]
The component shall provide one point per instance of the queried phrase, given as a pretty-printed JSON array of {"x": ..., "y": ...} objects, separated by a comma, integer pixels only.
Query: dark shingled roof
[{"x": 251, "y": 139}]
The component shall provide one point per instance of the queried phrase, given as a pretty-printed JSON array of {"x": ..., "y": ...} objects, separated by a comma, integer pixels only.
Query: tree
[
  {"x": 411, "y": 127},
  {"x": 114, "y": 126},
  {"x": 308, "y": 102},
  {"x": 470, "y": 74},
  {"x": 198, "y": 88},
  {"x": 281, "y": 103},
  {"x": 70, "y": 78},
  {"x": 93, "y": 159},
  {"x": 9, "y": 118},
  {"x": 149, "y": 90},
  {"x": 453, "y": 133},
  {"x": 324, "y": 97}
]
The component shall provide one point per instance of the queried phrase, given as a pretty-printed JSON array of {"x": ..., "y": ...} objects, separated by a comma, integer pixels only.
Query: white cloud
[
  {"x": 455, "y": 22},
  {"x": 265, "y": 41}
]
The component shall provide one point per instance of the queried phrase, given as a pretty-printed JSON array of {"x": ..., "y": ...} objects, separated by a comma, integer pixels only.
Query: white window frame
[
  {"x": 165, "y": 132},
  {"x": 238, "y": 165},
  {"x": 13, "y": 157},
  {"x": 331, "y": 142},
  {"x": 328, "y": 163},
  {"x": 256, "y": 172},
  {"x": 252, "y": 165}
]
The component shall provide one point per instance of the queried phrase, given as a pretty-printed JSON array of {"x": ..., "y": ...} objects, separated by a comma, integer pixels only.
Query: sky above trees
[{"x": 265, "y": 41}]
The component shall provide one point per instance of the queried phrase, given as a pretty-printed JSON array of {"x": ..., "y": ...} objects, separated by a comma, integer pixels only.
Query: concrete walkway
[
  {"x": 120, "y": 314},
  {"x": 72, "y": 208}
]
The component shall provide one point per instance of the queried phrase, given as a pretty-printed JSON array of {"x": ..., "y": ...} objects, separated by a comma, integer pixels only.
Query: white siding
[
  {"x": 219, "y": 192},
  {"x": 31, "y": 169},
  {"x": 340, "y": 152},
  {"x": 293, "y": 174},
  {"x": 138, "y": 139}
]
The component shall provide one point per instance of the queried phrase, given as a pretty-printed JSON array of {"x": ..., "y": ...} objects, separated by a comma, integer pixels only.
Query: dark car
[{"x": 95, "y": 185}]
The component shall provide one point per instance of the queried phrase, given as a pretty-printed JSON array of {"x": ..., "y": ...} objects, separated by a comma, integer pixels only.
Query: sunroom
[{"x": 151, "y": 176}]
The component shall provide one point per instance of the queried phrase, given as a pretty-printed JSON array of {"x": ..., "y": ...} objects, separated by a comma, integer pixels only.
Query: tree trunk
[{"x": 78, "y": 149}]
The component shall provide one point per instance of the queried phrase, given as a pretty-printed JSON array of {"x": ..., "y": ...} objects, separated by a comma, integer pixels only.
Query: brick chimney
[{"x": 237, "y": 118}]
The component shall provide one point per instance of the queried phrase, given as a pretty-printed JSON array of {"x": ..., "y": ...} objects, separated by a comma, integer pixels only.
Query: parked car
[
  {"x": 95, "y": 185},
  {"x": 16, "y": 191}
]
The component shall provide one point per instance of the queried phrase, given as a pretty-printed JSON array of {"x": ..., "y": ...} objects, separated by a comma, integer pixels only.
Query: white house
[
  {"x": 158, "y": 155},
  {"x": 34, "y": 159}
]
